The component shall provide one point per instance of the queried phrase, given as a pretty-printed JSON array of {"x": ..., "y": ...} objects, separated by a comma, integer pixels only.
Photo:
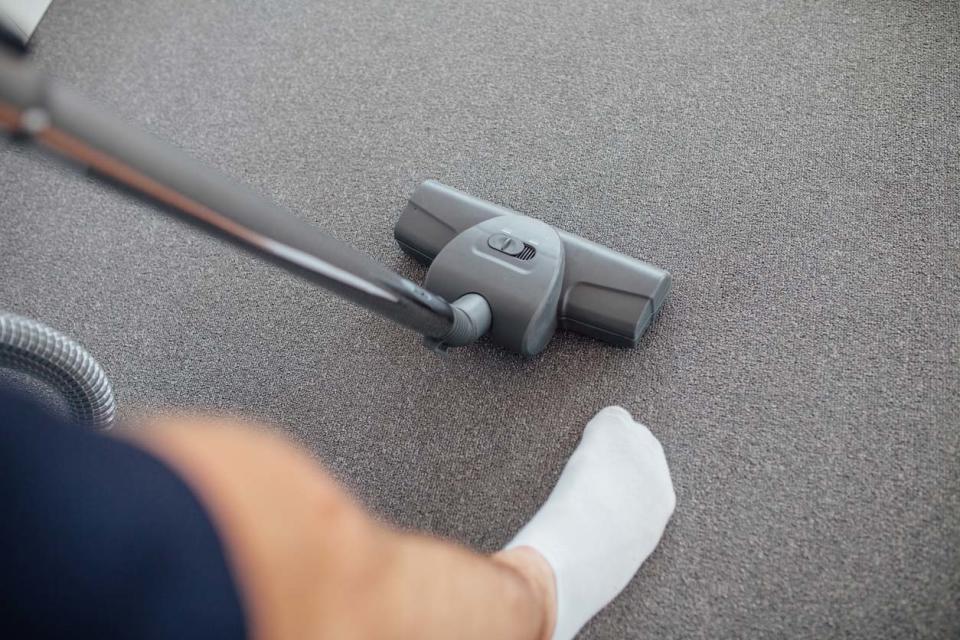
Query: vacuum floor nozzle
[{"x": 533, "y": 276}]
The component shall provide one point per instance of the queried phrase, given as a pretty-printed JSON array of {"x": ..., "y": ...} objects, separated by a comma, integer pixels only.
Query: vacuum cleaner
[{"x": 492, "y": 271}]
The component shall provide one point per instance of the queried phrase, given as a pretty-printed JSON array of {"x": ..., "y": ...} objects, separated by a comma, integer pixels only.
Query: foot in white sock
[{"x": 604, "y": 517}]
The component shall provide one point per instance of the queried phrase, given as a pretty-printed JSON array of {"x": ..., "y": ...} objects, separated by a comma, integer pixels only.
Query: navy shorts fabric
[{"x": 99, "y": 539}]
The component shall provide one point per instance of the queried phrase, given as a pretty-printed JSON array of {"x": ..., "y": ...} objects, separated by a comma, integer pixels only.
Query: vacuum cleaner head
[{"x": 533, "y": 276}]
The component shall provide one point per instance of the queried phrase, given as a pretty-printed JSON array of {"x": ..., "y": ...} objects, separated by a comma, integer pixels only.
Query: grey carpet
[{"x": 794, "y": 164}]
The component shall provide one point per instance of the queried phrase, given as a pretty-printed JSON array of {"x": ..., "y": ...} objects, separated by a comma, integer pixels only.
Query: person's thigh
[
  {"x": 299, "y": 545},
  {"x": 312, "y": 564}
]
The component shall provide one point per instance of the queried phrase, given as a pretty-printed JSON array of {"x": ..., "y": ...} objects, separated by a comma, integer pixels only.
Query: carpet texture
[{"x": 795, "y": 165}]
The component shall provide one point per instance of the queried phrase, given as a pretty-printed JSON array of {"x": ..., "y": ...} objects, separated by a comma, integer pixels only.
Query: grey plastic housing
[
  {"x": 521, "y": 290},
  {"x": 596, "y": 291}
]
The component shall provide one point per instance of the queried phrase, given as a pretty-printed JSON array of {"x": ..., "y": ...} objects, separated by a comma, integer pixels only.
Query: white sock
[{"x": 604, "y": 517}]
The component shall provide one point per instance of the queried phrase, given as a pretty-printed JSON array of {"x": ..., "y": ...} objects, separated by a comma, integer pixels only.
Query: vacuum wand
[{"x": 39, "y": 108}]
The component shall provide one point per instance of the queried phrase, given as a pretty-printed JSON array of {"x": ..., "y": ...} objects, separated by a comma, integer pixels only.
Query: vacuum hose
[{"x": 50, "y": 356}]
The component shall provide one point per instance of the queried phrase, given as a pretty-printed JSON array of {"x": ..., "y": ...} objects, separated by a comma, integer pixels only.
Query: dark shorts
[{"x": 99, "y": 539}]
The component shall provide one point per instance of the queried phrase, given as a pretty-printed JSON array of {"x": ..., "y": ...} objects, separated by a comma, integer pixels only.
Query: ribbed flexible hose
[{"x": 38, "y": 350}]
